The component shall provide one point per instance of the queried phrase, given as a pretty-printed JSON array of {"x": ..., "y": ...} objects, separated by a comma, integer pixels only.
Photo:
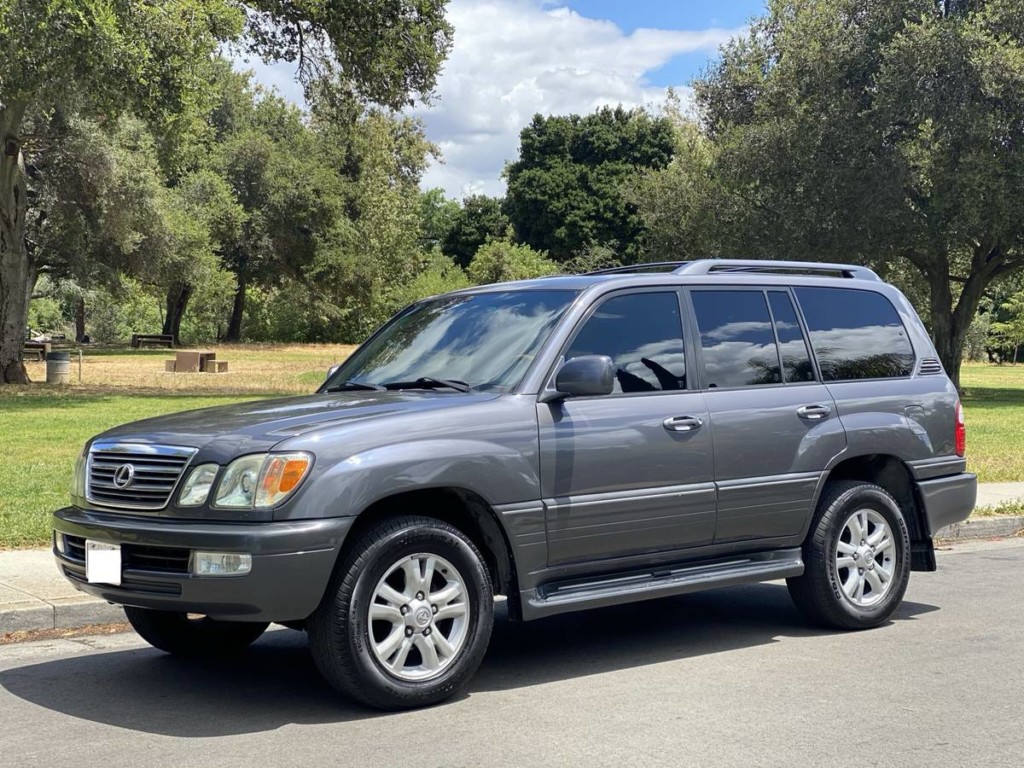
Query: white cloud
[{"x": 514, "y": 58}]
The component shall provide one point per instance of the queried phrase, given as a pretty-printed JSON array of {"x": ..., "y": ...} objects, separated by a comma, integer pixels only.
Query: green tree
[
  {"x": 566, "y": 189},
  {"x": 96, "y": 56},
  {"x": 1009, "y": 330},
  {"x": 887, "y": 133},
  {"x": 438, "y": 216},
  {"x": 100, "y": 57},
  {"x": 500, "y": 261},
  {"x": 479, "y": 219}
]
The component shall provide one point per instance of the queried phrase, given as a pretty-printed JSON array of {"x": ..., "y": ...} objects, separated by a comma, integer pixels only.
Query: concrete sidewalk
[{"x": 33, "y": 595}]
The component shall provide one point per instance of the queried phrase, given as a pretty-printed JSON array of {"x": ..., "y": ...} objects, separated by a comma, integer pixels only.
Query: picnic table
[
  {"x": 195, "y": 361},
  {"x": 39, "y": 349},
  {"x": 152, "y": 340}
]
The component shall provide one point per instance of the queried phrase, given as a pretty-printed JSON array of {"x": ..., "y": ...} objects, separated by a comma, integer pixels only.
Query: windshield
[{"x": 486, "y": 341}]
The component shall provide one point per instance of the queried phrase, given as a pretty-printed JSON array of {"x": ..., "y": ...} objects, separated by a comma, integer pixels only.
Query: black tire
[
  {"x": 340, "y": 629},
  {"x": 201, "y": 637},
  {"x": 819, "y": 592}
]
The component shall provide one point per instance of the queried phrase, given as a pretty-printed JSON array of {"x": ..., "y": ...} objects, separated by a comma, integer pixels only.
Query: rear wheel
[
  {"x": 196, "y": 637},
  {"x": 856, "y": 558},
  {"x": 407, "y": 617}
]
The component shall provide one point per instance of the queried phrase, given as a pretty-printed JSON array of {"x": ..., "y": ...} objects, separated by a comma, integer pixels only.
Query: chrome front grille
[{"x": 134, "y": 475}]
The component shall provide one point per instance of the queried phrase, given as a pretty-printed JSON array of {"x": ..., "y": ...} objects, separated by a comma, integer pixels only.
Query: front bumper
[
  {"x": 292, "y": 563},
  {"x": 948, "y": 500}
]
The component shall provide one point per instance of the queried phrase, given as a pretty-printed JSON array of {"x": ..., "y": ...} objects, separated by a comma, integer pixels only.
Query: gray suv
[{"x": 569, "y": 443}]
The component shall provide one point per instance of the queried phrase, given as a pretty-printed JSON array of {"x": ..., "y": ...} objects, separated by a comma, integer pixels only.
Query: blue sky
[
  {"x": 672, "y": 14},
  {"x": 512, "y": 59}
]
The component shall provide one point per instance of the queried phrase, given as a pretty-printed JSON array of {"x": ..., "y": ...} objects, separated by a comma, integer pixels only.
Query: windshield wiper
[
  {"x": 349, "y": 386},
  {"x": 427, "y": 382}
]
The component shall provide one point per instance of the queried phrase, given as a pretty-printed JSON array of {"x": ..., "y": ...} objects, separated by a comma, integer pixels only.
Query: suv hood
[{"x": 229, "y": 430}]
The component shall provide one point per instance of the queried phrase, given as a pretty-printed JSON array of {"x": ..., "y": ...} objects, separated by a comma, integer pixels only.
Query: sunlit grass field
[{"x": 43, "y": 428}]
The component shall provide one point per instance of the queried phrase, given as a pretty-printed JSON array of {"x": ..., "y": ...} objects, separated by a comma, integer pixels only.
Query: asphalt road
[{"x": 732, "y": 677}]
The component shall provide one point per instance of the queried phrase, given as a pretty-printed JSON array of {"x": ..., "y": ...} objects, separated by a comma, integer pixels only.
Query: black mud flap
[{"x": 922, "y": 555}]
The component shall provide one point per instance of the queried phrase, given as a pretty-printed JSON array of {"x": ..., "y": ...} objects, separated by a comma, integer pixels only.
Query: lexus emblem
[{"x": 124, "y": 475}]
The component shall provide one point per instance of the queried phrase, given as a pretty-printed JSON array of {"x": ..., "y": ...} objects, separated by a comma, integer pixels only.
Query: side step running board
[{"x": 561, "y": 597}]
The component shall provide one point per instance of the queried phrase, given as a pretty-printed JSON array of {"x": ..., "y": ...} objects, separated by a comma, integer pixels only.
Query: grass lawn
[
  {"x": 994, "y": 411},
  {"x": 43, "y": 428}
]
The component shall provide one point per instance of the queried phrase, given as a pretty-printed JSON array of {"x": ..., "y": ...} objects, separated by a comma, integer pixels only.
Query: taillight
[{"x": 961, "y": 431}]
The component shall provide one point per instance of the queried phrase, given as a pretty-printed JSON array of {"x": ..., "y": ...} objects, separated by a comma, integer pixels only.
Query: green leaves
[
  {"x": 565, "y": 192},
  {"x": 502, "y": 260}
]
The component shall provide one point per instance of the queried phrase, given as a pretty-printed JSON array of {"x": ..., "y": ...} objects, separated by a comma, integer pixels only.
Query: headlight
[
  {"x": 237, "y": 488},
  {"x": 197, "y": 485},
  {"x": 78, "y": 478},
  {"x": 262, "y": 480}
]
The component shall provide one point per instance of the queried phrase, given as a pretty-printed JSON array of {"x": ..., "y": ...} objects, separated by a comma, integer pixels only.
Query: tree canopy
[
  {"x": 565, "y": 191},
  {"x": 97, "y": 59}
]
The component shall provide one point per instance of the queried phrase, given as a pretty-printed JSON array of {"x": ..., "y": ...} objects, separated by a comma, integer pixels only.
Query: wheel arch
[
  {"x": 459, "y": 507},
  {"x": 892, "y": 474}
]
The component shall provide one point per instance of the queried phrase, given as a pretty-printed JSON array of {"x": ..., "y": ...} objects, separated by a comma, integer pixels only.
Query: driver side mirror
[
  {"x": 331, "y": 370},
  {"x": 585, "y": 376}
]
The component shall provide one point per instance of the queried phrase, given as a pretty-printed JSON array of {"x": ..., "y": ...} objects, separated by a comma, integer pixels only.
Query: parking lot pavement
[{"x": 732, "y": 677}]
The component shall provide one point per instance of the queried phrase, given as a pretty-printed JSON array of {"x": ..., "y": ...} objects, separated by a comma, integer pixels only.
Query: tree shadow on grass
[
  {"x": 30, "y": 399},
  {"x": 983, "y": 398},
  {"x": 275, "y": 683}
]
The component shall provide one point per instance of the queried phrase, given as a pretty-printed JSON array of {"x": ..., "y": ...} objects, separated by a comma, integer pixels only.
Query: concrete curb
[
  {"x": 65, "y": 613},
  {"x": 982, "y": 528}
]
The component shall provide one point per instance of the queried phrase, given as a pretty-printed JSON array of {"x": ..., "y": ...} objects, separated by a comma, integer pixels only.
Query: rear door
[
  {"x": 631, "y": 472},
  {"x": 773, "y": 422}
]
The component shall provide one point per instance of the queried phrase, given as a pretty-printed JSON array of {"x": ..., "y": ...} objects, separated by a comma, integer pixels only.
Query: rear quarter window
[{"x": 855, "y": 334}]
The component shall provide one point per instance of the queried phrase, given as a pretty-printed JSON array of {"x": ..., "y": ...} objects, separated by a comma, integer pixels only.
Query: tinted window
[
  {"x": 643, "y": 336},
  {"x": 855, "y": 334},
  {"x": 736, "y": 338},
  {"x": 487, "y": 340},
  {"x": 796, "y": 361}
]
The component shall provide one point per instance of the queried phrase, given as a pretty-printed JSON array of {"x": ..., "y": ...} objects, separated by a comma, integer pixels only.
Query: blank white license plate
[{"x": 102, "y": 563}]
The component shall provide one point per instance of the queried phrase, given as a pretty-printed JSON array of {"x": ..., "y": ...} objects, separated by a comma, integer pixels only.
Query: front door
[{"x": 631, "y": 472}]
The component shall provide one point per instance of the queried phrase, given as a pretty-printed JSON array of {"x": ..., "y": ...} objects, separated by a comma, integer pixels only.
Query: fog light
[
  {"x": 58, "y": 542},
  {"x": 221, "y": 564}
]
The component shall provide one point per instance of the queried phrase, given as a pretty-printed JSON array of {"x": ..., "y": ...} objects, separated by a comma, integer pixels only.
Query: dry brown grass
[{"x": 253, "y": 368}]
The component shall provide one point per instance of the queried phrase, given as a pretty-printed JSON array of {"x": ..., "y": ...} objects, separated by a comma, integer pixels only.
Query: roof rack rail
[
  {"x": 748, "y": 266},
  {"x": 658, "y": 266}
]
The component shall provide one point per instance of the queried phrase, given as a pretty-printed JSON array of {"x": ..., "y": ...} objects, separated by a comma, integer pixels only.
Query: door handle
[
  {"x": 813, "y": 412},
  {"x": 682, "y": 423}
]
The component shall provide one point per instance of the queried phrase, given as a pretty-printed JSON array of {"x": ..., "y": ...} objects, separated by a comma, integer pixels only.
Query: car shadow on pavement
[{"x": 275, "y": 683}]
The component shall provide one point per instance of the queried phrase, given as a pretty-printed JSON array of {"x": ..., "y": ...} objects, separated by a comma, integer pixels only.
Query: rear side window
[
  {"x": 643, "y": 335},
  {"x": 796, "y": 360},
  {"x": 736, "y": 339},
  {"x": 855, "y": 334}
]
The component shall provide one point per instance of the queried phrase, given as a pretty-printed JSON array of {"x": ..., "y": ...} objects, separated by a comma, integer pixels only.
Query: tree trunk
[
  {"x": 80, "y": 319},
  {"x": 17, "y": 270},
  {"x": 238, "y": 309},
  {"x": 177, "y": 301},
  {"x": 949, "y": 323}
]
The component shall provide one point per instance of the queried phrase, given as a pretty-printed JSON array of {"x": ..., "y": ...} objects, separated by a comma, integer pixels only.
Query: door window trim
[
  {"x": 701, "y": 379},
  {"x": 688, "y": 349}
]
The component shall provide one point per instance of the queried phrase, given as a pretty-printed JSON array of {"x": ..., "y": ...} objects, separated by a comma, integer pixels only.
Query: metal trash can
[{"x": 58, "y": 367}]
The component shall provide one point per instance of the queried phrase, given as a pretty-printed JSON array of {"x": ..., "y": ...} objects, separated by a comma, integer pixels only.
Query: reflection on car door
[{"x": 630, "y": 472}]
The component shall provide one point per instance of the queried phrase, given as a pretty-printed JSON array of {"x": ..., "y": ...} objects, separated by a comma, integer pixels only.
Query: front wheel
[
  {"x": 196, "y": 637},
  {"x": 856, "y": 558},
  {"x": 407, "y": 617}
]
